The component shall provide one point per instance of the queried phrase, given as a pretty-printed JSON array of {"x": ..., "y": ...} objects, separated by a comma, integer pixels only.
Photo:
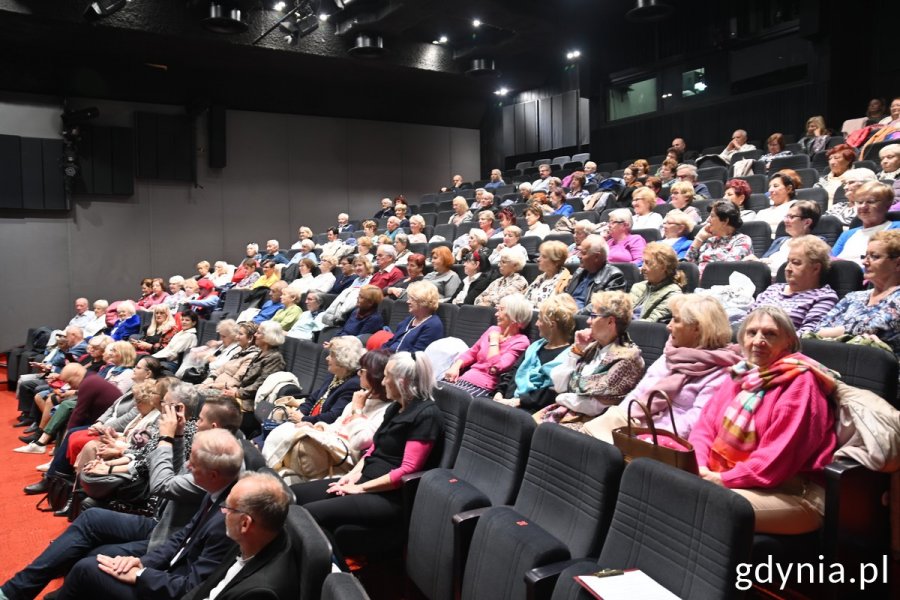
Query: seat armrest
[
  {"x": 540, "y": 581},
  {"x": 409, "y": 486},
  {"x": 856, "y": 512},
  {"x": 463, "y": 530}
]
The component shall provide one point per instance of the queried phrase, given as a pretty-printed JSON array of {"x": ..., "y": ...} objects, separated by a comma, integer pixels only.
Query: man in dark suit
[
  {"x": 189, "y": 556},
  {"x": 264, "y": 564}
]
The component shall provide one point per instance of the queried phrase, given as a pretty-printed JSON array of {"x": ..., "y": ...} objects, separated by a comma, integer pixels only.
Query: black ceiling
[{"x": 157, "y": 51}]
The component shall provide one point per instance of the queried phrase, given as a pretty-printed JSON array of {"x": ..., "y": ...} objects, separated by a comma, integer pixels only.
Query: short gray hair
[
  {"x": 218, "y": 450},
  {"x": 691, "y": 170},
  {"x": 269, "y": 502},
  {"x": 518, "y": 308},
  {"x": 388, "y": 249},
  {"x": 597, "y": 244},
  {"x": 782, "y": 321},
  {"x": 186, "y": 394},
  {"x": 271, "y": 333},
  {"x": 622, "y": 214},
  {"x": 227, "y": 326},
  {"x": 513, "y": 257},
  {"x": 478, "y": 234},
  {"x": 346, "y": 351}
]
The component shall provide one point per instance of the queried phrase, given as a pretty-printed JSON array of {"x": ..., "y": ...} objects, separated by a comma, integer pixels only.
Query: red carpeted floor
[{"x": 26, "y": 531}]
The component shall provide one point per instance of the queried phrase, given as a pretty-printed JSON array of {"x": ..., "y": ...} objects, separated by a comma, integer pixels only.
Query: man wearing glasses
[{"x": 689, "y": 173}]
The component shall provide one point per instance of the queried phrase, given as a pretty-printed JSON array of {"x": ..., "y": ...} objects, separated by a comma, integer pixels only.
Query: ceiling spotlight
[
  {"x": 476, "y": 23},
  {"x": 443, "y": 39},
  {"x": 501, "y": 92},
  {"x": 103, "y": 8},
  {"x": 279, "y": 6},
  {"x": 323, "y": 17},
  {"x": 573, "y": 54}
]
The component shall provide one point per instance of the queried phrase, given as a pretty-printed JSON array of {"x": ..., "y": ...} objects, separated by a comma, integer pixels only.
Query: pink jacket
[
  {"x": 484, "y": 372},
  {"x": 795, "y": 428}
]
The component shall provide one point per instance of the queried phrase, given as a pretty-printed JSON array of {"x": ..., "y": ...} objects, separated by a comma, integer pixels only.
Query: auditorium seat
[
  {"x": 760, "y": 234},
  {"x": 691, "y": 274},
  {"x": 472, "y": 321},
  {"x": 829, "y": 228},
  {"x": 651, "y": 338},
  {"x": 631, "y": 272},
  {"x": 817, "y": 195},
  {"x": 717, "y": 273}
]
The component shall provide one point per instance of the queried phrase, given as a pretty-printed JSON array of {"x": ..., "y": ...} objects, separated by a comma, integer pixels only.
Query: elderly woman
[
  {"x": 334, "y": 244},
  {"x": 215, "y": 353},
  {"x": 874, "y": 312},
  {"x": 328, "y": 402},
  {"x": 694, "y": 364},
  {"x": 354, "y": 429},
  {"x": 775, "y": 147},
  {"x": 477, "y": 269},
  {"x": 303, "y": 233},
  {"x": 624, "y": 246},
  {"x": 465, "y": 244},
  {"x": 337, "y": 312},
  {"x": 290, "y": 312},
  {"x": 719, "y": 240},
  {"x": 98, "y": 323},
  {"x": 365, "y": 318},
  {"x": 364, "y": 246},
  {"x": 146, "y": 300},
  {"x": 782, "y": 190},
  {"x": 666, "y": 172},
  {"x": 509, "y": 282},
  {"x": 478, "y": 370},
  {"x": 800, "y": 220},
  {"x": 851, "y": 180},
  {"x": 477, "y": 243},
  {"x": 803, "y": 297},
  {"x": 676, "y": 229},
  {"x": 873, "y": 200},
  {"x": 128, "y": 324},
  {"x": 422, "y": 326},
  {"x": 401, "y": 245},
  {"x": 176, "y": 295},
  {"x": 534, "y": 219},
  {"x": 268, "y": 338},
  {"x": 121, "y": 357},
  {"x": 511, "y": 237},
  {"x": 415, "y": 267},
  {"x": 408, "y": 440},
  {"x": 506, "y": 217},
  {"x": 203, "y": 271},
  {"x": 304, "y": 281},
  {"x": 229, "y": 375},
  {"x": 307, "y": 325},
  {"x": 642, "y": 201},
  {"x": 443, "y": 277},
  {"x": 840, "y": 159},
  {"x": 370, "y": 228},
  {"x": 531, "y": 388},
  {"x": 577, "y": 186},
  {"x": 554, "y": 276},
  {"x": 681, "y": 194},
  {"x": 247, "y": 273},
  {"x": 738, "y": 192},
  {"x": 324, "y": 281},
  {"x": 400, "y": 211},
  {"x": 160, "y": 331},
  {"x": 770, "y": 426},
  {"x": 461, "y": 211},
  {"x": 417, "y": 230},
  {"x": 157, "y": 294},
  {"x": 662, "y": 282},
  {"x": 890, "y": 162},
  {"x": 581, "y": 230},
  {"x": 222, "y": 273},
  {"x": 599, "y": 368},
  {"x": 181, "y": 343},
  {"x": 558, "y": 206},
  {"x": 817, "y": 134}
]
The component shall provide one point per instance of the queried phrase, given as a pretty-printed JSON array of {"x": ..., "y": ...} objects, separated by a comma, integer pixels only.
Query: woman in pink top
[
  {"x": 624, "y": 246},
  {"x": 496, "y": 351},
  {"x": 768, "y": 431}
]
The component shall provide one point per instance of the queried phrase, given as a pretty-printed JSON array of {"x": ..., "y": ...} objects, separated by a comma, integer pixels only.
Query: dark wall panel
[
  {"x": 531, "y": 127},
  {"x": 569, "y": 119},
  {"x": 32, "y": 174},
  {"x": 10, "y": 171},
  {"x": 545, "y": 124},
  {"x": 54, "y": 182},
  {"x": 123, "y": 161},
  {"x": 165, "y": 147},
  {"x": 101, "y": 158},
  {"x": 520, "y": 129},
  {"x": 216, "y": 135},
  {"x": 557, "y": 122},
  {"x": 509, "y": 130}
]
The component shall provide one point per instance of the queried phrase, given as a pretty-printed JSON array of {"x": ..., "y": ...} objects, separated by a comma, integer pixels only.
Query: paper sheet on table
[{"x": 632, "y": 585}]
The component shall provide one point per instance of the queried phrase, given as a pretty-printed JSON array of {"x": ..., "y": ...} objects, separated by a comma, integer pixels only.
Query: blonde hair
[
  {"x": 664, "y": 254},
  {"x": 556, "y": 251},
  {"x": 559, "y": 310},
  {"x": 684, "y": 187},
  {"x": 126, "y": 353},
  {"x": 708, "y": 315},
  {"x": 617, "y": 305},
  {"x": 424, "y": 293}
]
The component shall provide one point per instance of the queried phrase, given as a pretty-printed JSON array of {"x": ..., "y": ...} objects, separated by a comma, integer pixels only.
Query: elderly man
[
  {"x": 542, "y": 183},
  {"x": 496, "y": 180},
  {"x": 689, "y": 173},
  {"x": 387, "y": 274},
  {"x": 307, "y": 248},
  {"x": 82, "y": 317},
  {"x": 102, "y": 547},
  {"x": 387, "y": 209},
  {"x": 273, "y": 304},
  {"x": 393, "y": 227},
  {"x": 273, "y": 254},
  {"x": 524, "y": 196},
  {"x": 344, "y": 224},
  {"x": 456, "y": 186},
  {"x": 263, "y": 564},
  {"x": 69, "y": 344},
  {"x": 737, "y": 144},
  {"x": 594, "y": 275},
  {"x": 484, "y": 200}
]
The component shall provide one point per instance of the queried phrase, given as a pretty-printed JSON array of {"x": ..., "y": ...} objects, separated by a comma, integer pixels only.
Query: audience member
[
  {"x": 534, "y": 219},
  {"x": 782, "y": 190},
  {"x": 817, "y": 134},
  {"x": 365, "y": 319},
  {"x": 719, "y": 240},
  {"x": 290, "y": 310},
  {"x": 688, "y": 173},
  {"x": 422, "y": 326},
  {"x": 387, "y": 274},
  {"x": 509, "y": 282},
  {"x": 775, "y": 146},
  {"x": 840, "y": 159},
  {"x": 890, "y": 162},
  {"x": 681, "y": 195},
  {"x": 554, "y": 276},
  {"x": 273, "y": 304},
  {"x": 622, "y": 245},
  {"x": 800, "y": 220},
  {"x": 872, "y": 203},
  {"x": 542, "y": 183},
  {"x": 273, "y": 254},
  {"x": 387, "y": 209},
  {"x": 511, "y": 236},
  {"x": 662, "y": 281},
  {"x": 442, "y": 276},
  {"x": 496, "y": 180},
  {"x": 462, "y": 214},
  {"x": 594, "y": 275},
  {"x": 643, "y": 200},
  {"x": 476, "y": 268},
  {"x": 737, "y": 191}
]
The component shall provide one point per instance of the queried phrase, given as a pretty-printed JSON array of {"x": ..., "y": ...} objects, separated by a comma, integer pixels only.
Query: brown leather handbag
[{"x": 649, "y": 442}]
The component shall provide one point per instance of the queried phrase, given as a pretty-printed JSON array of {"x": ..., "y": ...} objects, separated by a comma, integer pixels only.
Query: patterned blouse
[
  {"x": 542, "y": 288},
  {"x": 806, "y": 309},
  {"x": 511, "y": 284},
  {"x": 844, "y": 211},
  {"x": 720, "y": 249},
  {"x": 857, "y": 318}
]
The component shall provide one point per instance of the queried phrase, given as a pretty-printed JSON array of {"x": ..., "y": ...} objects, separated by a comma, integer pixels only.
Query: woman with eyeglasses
[
  {"x": 800, "y": 220},
  {"x": 851, "y": 180},
  {"x": 681, "y": 194},
  {"x": 873, "y": 200},
  {"x": 873, "y": 313},
  {"x": 624, "y": 246},
  {"x": 676, "y": 230}
]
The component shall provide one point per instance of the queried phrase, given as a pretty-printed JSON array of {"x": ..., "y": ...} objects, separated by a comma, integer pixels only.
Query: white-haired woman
[
  {"x": 851, "y": 180},
  {"x": 215, "y": 353},
  {"x": 509, "y": 282},
  {"x": 176, "y": 296},
  {"x": 511, "y": 236},
  {"x": 408, "y": 440},
  {"x": 417, "y": 230},
  {"x": 478, "y": 370},
  {"x": 222, "y": 273},
  {"x": 624, "y": 246},
  {"x": 128, "y": 324}
]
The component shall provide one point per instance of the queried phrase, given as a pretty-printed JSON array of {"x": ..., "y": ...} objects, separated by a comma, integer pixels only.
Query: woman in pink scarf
[
  {"x": 768, "y": 431},
  {"x": 695, "y": 363}
]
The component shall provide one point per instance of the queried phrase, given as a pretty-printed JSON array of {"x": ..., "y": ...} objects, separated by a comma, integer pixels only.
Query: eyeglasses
[
  {"x": 611, "y": 222},
  {"x": 871, "y": 256},
  {"x": 225, "y": 509},
  {"x": 360, "y": 371},
  {"x": 868, "y": 202},
  {"x": 792, "y": 217}
]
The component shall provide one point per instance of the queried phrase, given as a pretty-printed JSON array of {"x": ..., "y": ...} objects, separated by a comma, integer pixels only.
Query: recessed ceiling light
[
  {"x": 323, "y": 17},
  {"x": 502, "y": 92},
  {"x": 476, "y": 23},
  {"x": 279, "y": 5},
  {"x": 443, "y": 39},
  {"x": 573, "y": 54}
]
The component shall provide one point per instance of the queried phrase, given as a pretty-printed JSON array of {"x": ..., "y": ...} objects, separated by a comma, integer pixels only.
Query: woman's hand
[
  {"x": 295, "y": 416},
  {"x": 831, "y": 332},
  {"x": 346, "y": 490},
  {"x": 109, "y": 452},
  {"x": 452, "y": 374},
  {"x": 359, "y": 399},
  {"x": 583, "y": 338},
  {"x": 711, "y": 476}
]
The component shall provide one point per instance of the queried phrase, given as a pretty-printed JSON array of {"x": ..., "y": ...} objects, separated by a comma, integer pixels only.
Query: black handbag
[
  {"x": 196, "y": 374},
  {"x": 272, "y": 421},
  {"x": 59, "y": 490}
]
